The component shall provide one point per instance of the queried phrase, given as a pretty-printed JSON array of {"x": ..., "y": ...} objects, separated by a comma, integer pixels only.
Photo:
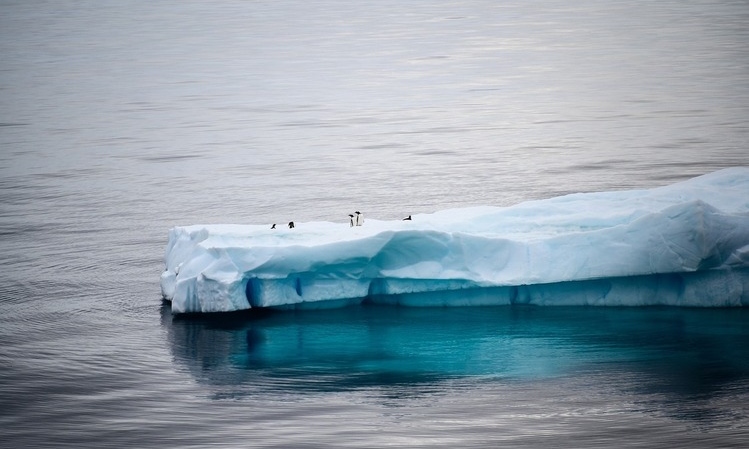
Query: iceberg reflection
[{"x": 677, "y": 352}]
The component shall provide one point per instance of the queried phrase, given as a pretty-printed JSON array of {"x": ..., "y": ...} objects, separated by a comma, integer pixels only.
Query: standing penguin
[
  {"x": 291, "y": 225},
  {"x": 351, "y": 220},
  {"x": 359, "y": 218},
  {"x": 274, "y": 226}
]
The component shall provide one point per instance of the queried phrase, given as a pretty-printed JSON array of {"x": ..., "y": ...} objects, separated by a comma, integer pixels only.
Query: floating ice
[{"x": 683, "y": 244}]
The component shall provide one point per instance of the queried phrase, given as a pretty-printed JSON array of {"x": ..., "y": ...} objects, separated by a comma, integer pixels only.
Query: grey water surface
[{"x": 119, "y": 120}]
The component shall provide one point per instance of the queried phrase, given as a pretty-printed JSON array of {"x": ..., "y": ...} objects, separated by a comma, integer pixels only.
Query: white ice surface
[{"x": 683, "y": 244}]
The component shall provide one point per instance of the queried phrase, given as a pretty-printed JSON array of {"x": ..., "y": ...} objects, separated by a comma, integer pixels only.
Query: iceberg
[{"x": 685, "y": 244}]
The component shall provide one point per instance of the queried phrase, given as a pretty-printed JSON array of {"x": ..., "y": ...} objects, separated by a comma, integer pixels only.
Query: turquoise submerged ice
[{"x": 684, "y": 244}]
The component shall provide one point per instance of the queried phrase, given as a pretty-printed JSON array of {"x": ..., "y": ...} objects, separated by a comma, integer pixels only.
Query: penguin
[
  {"x": 351, "y": 220},
  {"x": 291, "y": 225},
  {"x": 359, "y": 218},
  {"x": 407, "y": 218},
  {"x": 274, "y": 226}
]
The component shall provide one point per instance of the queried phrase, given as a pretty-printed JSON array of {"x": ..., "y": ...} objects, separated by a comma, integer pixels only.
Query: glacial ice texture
[{"x": 685, "y": 244}]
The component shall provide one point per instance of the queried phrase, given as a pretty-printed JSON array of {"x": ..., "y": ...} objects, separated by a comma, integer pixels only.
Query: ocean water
[{"x": 119, "y": 120}]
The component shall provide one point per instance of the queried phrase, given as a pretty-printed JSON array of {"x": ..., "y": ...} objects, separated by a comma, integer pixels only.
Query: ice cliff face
[{"x": 684, "y": 244}]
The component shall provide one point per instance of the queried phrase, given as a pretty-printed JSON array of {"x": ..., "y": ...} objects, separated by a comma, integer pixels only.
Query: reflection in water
[{"x": 683, "y": 358}]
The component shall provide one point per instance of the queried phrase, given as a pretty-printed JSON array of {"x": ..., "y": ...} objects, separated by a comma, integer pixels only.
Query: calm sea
[{"x": 119, "y": 120}]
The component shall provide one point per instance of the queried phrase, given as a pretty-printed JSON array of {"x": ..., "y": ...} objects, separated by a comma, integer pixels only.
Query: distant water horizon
[{"x": 122, "y": 120}]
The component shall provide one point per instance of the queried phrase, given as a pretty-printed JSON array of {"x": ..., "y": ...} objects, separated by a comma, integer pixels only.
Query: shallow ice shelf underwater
[{"x": 684, "y": 244}]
